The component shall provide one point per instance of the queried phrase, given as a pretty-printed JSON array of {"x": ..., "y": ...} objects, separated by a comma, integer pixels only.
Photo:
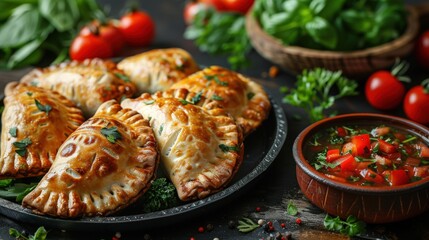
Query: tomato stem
[
  {"x": 399, "y": 69},
  {"x": 425, "y": 85}
]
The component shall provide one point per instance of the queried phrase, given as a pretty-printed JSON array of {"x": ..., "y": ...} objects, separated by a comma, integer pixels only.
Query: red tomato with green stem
[
  {"x": 416, "y": 103},
  {"x": 108, "y": 31},
  {"x": 90, "y": 46},
  {"x": 422, "y": 49},
  {"x": 384, "y": 90},
  {"x": 217, "y": 4},
  {"x": 138, "y": 28}
]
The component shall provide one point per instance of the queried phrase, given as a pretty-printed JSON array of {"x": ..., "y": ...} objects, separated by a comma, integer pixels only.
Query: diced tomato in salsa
[
  {"x": 424, "y": 150},
  {"x": 341, "y": 132},
  {"x": 399, "y": 177},
  {"x": 371, "y": 176},
  {"x": 414, "y": 162},
  {"x": 332, "y": 155},
  {"x": 386, "y": 147},
  {"x": 421, "y": 171},
  {"x": 362, "y": 144}
]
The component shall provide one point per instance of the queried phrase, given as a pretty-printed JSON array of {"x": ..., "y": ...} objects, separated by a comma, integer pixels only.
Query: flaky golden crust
[
  {"x": 201, "y": 150},
  {"x": 30, "y": 137},
  {"x": 88, "y": 83},
  {"x": 93, "y": 175},
  {"x": 244, "y": 99},
  {"x": 158, "y": 69}
]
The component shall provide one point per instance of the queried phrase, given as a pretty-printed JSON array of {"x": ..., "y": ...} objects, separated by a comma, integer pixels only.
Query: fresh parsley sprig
[
  {"x": 317, "y": 90},
  {"x": 291, "y": 209},
  {"x": 351, "y": 226}
]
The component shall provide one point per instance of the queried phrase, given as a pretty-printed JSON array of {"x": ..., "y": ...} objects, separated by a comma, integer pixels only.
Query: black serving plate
[{"x": 261, "y": 148}]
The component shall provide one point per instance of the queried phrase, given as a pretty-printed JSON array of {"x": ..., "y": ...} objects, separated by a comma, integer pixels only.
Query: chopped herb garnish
[
  {"x": 12, "y": 131},
  {"x": 376, "y": 148},
  {"x": 21, "y": 146},
  {"x": 410, "y": 139},
  {"x": 123, "y": 77},
  {"x": 291, "y": 209},
  {"x": 226, "y": 148},
  {"x": 250, "y": 95},
  {"x": 184, "y": 102},
  {"x": 161, "y": 128},
  {"x": 149, "y": 102},
  {"x": 111, "y": 134},
  {"x": 5, "y": 182},
  {"x": 216, "y": 79},
  {"x": 351, "y": 130},
  {"x": 197, "y": 97},
  {"x": 353, "y": 179},
  {"x": 246, "y": 225},
  {"x": 44, "y": 108},
  {"x": 415, "y": 178},
  {"x": 217, "y": 98},
  {"x": 30, "y": 94}
]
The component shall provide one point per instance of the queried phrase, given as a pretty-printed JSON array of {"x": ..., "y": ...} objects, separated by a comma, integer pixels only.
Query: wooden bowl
[
  {"x": 368, "y": 203},
  {"x": 361, "y": 62}
]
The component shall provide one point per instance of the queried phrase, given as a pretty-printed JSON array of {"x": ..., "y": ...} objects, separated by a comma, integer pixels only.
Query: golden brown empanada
[
  {"x": 244, "y": 99},
  {"x": 35, "y": 123},
  {"x": 88, "y": 84},
  {"x": 104, "y": 166},
  {"x": 201, "y": 149},
  {"x": 157, "y": 70}
]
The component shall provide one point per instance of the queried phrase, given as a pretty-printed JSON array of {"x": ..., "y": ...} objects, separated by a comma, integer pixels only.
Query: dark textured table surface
[{"x": 271, "y": 191}]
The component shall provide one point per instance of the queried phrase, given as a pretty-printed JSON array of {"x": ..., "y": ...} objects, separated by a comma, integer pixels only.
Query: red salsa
[{"x": 369, "y": 155}]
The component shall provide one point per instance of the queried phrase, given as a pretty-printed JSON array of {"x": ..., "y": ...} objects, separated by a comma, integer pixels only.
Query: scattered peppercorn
[
  {"x": 261, "y": 222},
  {"x": 283, "y": 225},
  {"x": 118, "y": 235},
  {"x": 209, "y": 227},
  {"x": 271, "y": 228},
  {"x": 191, "y": 238},
  {"x": 270, "y": 223},
  {"x": 298, "y": 221},
  {"x": 288, "y": 235},
  {"x": 258, "y": 209},
  {"x": 273, "y": 71},
  {"x": 232, "y": 224},
  {"x": 115, "y": 238},
  {"x": 201, "y": 229}
]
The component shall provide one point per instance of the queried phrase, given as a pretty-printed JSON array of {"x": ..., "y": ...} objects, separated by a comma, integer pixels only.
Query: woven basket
[{"x": 359, "y": 62}]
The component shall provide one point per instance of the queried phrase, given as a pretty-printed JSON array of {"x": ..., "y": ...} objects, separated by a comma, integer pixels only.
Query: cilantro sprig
[
  {"x": 112, "y": 134},
  {"x": 291, "y": 209},
  {"x": 351, "y": 226},
  {"x": 317, "y": 90},
  {"x": 226, "y": 148}
]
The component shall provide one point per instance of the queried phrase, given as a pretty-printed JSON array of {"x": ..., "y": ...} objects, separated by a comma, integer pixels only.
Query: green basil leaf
[
  {"x": 322, "y": 32},
  {"x": 358, "y": 21},
  {"x": 40, "y": 234},
  {"x": 26, "y": 55},
  {"x": 61, "y": 13},
  {"x": 327, "y": 9},
  {"x": 21, "y": 27}
]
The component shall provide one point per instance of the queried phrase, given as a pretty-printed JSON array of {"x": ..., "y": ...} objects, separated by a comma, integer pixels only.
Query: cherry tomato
[
  {"x": 191, "y": 9},
  {"x": 137, "y": 28},
  {"x": 89, "y": 46},
  {"x": 239, "y": 6},
  {"x": 384, "y": 91},
  {"x": 422, "y": 49},
  {"x": 416, "y": 103},
  {"x": 109, "y": 32}
]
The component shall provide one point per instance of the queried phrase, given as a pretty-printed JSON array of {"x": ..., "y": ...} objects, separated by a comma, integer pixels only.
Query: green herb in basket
[
  {"x": 338, "y": 25},
  {"x": 317, "y": 90}
]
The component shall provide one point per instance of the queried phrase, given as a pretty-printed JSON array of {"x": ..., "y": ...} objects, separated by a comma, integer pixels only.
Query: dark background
[{"x": 270, "y": 189}]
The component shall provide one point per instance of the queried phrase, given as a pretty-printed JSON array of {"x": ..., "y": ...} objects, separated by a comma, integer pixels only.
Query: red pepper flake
[
  {"x": 298, "y": 221},
  {"x": 258, "y": 209},
  {"x": 271, "y": 228},
  {"x": 283, "y": 238},
  {"x": 201, "y": 229},
  {"x": 283, "y": 225},
  {"x": 191, "y": 238}
]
